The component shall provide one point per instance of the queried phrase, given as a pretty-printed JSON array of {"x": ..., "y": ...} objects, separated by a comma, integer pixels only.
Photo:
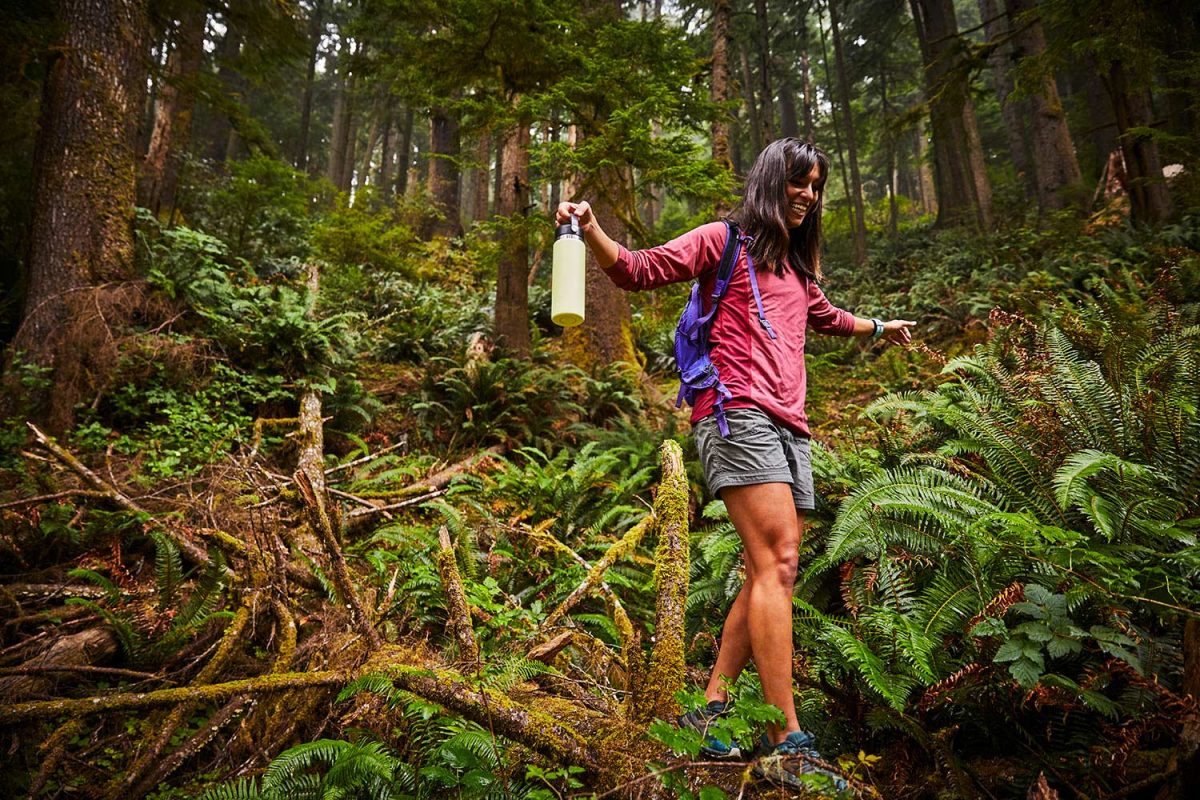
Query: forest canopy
[{"x": 303, "y": 493}]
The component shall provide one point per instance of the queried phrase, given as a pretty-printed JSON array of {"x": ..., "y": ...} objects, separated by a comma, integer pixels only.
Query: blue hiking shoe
[
  {"x": 700, "y": 720},
  {"x": 795, "y": 759}
]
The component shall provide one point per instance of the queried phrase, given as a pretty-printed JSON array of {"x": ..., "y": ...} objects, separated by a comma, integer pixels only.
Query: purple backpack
[{"x": 696, "y": 370}]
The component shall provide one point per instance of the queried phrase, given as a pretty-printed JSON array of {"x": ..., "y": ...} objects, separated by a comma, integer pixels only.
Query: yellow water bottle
[{"x": 568, "y": 278}]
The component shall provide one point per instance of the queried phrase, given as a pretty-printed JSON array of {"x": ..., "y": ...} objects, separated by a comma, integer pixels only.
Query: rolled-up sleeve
[
  {"x": 680, "y": 259},
  {"x": 825, "y": 317}
]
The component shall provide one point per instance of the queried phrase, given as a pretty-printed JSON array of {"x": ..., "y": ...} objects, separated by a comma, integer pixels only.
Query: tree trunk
[
  {"x": 766, "y": 90},
  {"x": 84, "y": 188},
  {"x": 383, "y": 179},
  {"x": 925, "y": 183},
  {"x": 752, "y": 104},
  {"x": 443, "y": 172},
  {"x": 806, "y": 78},
  {"x": 722, "y": 15},
  {"x": 1013, "y": 112},
  {"x": 605, "y": 338},
  {"x": 339, "y": 137},
  {"x": 353, "y": 119},
  {"x": 223, "y": 137},
  {"x": 512, "y": 285},
  {"x": 1149, "y": 201},
  {"x": 855, "y": 187},
  {"x": 316, "y": 29},
  {"x": 173, "y": 114},
  {"x": 789, "y": 121},
  {"x": 477, "y": 181},
  {"x": 964, "y": 193},
  {"x": 404, "y": 153},
  {"x": 1053, "y": 152},
  {"x": 837, "y": 136}
]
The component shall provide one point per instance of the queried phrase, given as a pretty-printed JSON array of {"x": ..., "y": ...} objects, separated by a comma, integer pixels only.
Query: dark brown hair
[{"x": 762, "y": 213}]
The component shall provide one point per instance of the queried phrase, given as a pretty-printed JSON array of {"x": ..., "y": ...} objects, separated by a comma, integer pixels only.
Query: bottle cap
[{"x": 569, "y": 228}]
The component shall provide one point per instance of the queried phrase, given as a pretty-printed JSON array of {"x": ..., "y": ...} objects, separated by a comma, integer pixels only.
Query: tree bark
[
  {"x": 1053, "y": 151},
  {"x": 789, "y": 121},
  {"x": 512, "y": 286},
  {"x": 855, "y": 187},
  {"x": 173, "y": 109},
  {"x": 339, "y": 138},
  {"x": 1013, "y": 111},
  {"x": 1149, "y": 201},
  {"x": 404, "y": 153},
  {"x": 964, "y": 193},
  {"x": 316, "y": 29},
  {"x": 722, "y": 16},
  {"x": 383, "y": 179},
  {"x": 222, "y": 136},
  {"x": 606, "y": 337},
  {"x": 443, "y": 172},
  {"x": 766, "y": 90},
  {"x": 84, "y": 188},
  {"x": 758, "y": 134}
]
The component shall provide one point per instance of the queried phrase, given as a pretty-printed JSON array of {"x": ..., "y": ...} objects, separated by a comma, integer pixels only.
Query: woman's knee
[{"x": 777, "y": 563}]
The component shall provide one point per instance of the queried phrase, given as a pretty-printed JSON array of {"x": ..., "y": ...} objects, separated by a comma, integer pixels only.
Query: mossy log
[
  {"x": 457, "y": 607},
  {"x": 134, "y": 701},
  {"x": 544, "y": 733},
  {"x": 666, "y": 672}
]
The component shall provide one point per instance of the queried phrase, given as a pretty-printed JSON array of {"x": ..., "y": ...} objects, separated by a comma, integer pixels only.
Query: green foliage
[
  {"x": 259, "y": 209},
  {"x": 176, "y": 428}
]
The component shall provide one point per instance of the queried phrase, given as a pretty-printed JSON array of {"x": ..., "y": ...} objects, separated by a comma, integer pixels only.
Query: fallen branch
[
  {"x": 46, "y": 498},
  {"x": 535, "y": 729},
  {"x": 618, "y": 550},
  {"x": 412, "y": 501},
  {"x": 133, "y": 701},
  {"x": 322, "y": 525},
  {"x": 186, "y": 546},
  {"x": 457, "y": 607}
]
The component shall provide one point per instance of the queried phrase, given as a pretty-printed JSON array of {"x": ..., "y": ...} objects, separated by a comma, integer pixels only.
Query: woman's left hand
[{"x": 897, "y": 331}]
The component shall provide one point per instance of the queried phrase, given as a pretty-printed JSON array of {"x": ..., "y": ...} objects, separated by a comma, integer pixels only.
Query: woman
[{"x": 761, "y": 469}]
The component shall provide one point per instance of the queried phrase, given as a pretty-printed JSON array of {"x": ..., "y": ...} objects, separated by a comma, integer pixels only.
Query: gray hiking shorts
[{"x": 758, "y": 450}]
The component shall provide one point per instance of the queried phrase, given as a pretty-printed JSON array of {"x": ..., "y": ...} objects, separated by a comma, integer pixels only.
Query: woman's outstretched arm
[{"x": 605, "y": 249}]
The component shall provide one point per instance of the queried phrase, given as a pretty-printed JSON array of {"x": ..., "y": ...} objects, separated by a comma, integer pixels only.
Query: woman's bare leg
[{"x": 760, "y": 620}]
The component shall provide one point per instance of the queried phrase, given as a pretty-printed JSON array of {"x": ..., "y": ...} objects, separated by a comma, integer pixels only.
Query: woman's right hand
[{"x": 581, "y": 210}]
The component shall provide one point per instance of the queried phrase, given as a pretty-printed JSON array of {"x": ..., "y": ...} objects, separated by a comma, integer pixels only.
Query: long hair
[{"x": 762, "y": 213}]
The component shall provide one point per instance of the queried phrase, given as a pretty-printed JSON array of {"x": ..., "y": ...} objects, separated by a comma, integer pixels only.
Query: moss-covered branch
[
  {"x": 132, "y": 701},
  {"x": 457, "y": 607},
  {"x": 620, "y": 549},
  {"x": 665, "y": 676}
]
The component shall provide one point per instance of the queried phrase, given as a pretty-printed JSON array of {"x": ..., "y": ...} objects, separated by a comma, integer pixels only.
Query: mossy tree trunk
[{"x": 81, "y": 233}]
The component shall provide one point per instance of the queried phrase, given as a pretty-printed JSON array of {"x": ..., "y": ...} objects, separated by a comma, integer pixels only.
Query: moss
[{"x": 666, "y": 671}]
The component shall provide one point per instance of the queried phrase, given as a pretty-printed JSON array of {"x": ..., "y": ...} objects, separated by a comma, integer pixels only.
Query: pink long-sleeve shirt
[{"x": 760, "y": 372}]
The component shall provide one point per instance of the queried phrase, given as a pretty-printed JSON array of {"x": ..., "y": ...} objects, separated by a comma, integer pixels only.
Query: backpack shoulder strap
[{"x": 729, "y": 258}]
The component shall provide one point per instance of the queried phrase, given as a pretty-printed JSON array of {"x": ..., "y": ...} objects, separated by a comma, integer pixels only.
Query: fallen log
[{"x": 64, "y": 654}]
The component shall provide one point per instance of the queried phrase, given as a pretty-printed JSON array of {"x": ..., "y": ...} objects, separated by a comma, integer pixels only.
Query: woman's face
[{"x": 801, "y": 195}]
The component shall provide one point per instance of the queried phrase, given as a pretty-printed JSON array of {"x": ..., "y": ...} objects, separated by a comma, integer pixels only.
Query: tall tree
[
  {"x": 316, "y": 31},
  {"x": 512, "y": 286},
  {"x": 173, "y": 107},
  {"x": 847, "y": 113},
  {"x": 444, "y": 190},
  {"x": 719, "y": 85},
  {"x": 1014, "y": 109},
  {"x": 1053, "y": 152},
  {"x": 83, "y": 197},
  {"x": 964, "y": 194}
]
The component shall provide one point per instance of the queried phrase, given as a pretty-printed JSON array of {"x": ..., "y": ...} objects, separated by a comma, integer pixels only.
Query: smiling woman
[{"x": 755, "y": 456}]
